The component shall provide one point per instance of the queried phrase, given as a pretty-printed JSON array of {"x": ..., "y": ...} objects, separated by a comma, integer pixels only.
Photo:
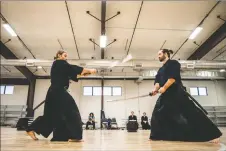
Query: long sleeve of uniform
[
  {"x": 135, "y": 117},
  {"x": 157, "y": 78},
  {"x": 142, "y": 119},
  {"x": 173, "y": 71},
  {"x": 73, "y": 71},
  {"x": 130, "y": 117}
]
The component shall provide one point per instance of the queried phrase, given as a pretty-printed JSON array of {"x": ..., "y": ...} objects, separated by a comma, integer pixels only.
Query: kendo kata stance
[
  {"x": 61, "y": 114},
  {"x": 175, "y": 117}
]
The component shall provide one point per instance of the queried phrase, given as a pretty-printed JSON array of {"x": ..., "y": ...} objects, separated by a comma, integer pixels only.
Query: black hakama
[
  {"x": 61, "y": 114},
  {"x": 175, "y": 116}
]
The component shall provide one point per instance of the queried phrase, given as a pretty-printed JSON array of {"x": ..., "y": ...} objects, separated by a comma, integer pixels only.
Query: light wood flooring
[{"x": 13, "y": 140}]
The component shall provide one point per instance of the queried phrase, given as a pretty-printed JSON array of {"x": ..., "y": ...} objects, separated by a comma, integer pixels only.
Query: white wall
[
  {"x": 86, "y": 104},
  {"x": 221, "y": 92},
  {"x": 212, "y": 99},
  {"x": 89, "y": 103},
  {"x": 121, "y": 110},
  {"x": 19, "y": 96},
  {"x": 41, "y": 89}
]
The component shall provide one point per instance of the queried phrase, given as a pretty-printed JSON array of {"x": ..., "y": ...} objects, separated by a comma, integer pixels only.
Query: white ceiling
[{"x": 41, "y": 24}]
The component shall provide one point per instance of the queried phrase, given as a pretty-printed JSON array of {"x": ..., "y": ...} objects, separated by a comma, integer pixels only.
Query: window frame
[
  {"x": 97, "y": 87},
  {"x": 198, "y": 91},
  {"x": 116, "y": 87},
  {"x": 205, "y": 89}
]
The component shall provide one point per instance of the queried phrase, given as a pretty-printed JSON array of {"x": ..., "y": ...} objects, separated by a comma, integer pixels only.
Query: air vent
[
  {"x": 29, "y": 64},
  {"x": 138, "y": 66},
  {"x": 190, "y": 66}
]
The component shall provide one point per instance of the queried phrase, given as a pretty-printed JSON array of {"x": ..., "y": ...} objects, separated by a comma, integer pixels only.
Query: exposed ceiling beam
[
  {"x": 72, "y": 29},
  {"x": 14, "y": 81},
  {"x": 138, "y": 16},
  {"x": 200, "y": 24},
  {"x": 6, "y": 69},
  {"x": 7, "y": 54},
  {"x": 22, "y": 42},
  {"x": 210, "y": 43},
  {"x": 103, "y": 29}
]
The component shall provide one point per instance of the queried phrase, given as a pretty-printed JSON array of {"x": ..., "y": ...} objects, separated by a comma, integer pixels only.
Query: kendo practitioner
[
  {"x": 132, "y": 116},
  {"x": 61, "y": 114},
  {"x": 132, "y": 124},
  {"x": 144, "y": 122},
  {"x": 175, "y": 116}
]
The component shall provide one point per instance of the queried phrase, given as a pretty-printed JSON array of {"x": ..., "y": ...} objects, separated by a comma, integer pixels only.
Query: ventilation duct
[{"x": 135, "y": 64}]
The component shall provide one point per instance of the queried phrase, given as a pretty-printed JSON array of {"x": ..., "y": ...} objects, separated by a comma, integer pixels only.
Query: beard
[{"x": 161, "y": 59}]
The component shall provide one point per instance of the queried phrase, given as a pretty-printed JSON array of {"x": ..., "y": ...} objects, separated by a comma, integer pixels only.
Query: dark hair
[
  {"x": 60, "y": 52},
  {"x": 167, "y": 51},
  {"x": 91, "y": 114}
]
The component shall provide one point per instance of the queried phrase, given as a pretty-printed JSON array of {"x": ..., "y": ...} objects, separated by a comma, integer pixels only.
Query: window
[
  {"x": 107, "y": 91},
  {"x": 88, "y": 91},
  {"x": 198, "y": 91},
  {"x": 96, "y": 91},
  {"x": 2, "y": 89},
  {"x": 117, "y": 91},
  {"x": 9, "y": 89},
  {"x": 202, "y": 91},
  {"x": 194, "y": 91}
]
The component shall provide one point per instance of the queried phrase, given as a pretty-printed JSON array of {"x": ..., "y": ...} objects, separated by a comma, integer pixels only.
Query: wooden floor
[{"x": 12, "y": 140}]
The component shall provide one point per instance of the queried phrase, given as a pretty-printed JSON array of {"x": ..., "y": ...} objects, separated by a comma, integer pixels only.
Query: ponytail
[
  {"x": 60, "y": 52},
  {"x": 167, "y": 51}
]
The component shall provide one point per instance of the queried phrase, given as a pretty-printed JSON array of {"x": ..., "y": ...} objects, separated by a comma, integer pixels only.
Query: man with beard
[{"x": 175, "y": 117}]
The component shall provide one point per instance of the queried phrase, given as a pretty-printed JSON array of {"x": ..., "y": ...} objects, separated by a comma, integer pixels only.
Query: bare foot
[
  {"x": 215, "y": 141},
  {"x": 32, "y": 135},
  {"x": 75, "y": 140}
]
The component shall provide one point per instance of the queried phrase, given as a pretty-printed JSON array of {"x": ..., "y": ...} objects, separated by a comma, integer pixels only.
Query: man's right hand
[
  {"x": 93, "y": 71},
  {"x": 154, "y": 92}
]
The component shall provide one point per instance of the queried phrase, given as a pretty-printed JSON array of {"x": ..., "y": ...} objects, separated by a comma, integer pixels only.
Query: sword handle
[{"x": 151, "y": 94}]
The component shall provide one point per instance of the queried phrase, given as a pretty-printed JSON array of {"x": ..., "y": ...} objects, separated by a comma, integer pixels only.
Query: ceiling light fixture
[
  {"x": 195, "y": 32},
  {"x": 222, "y": 70},
  {"x": 10, "y": 30},
  {"x": 103, "y": 41}
]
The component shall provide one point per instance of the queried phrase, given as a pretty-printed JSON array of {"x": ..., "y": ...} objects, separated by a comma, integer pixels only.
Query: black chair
[
  {"x": 104, "y": 123},
  {"x": 114, "y": 124}
]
